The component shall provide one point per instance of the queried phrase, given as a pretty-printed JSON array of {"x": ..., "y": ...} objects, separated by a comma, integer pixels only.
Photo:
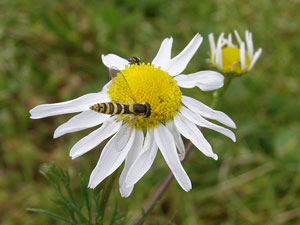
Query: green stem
[
  {"x": 106, "y": 192},
  {"x": 58, "y": 217},
  {"x": 219, "y": 93}
]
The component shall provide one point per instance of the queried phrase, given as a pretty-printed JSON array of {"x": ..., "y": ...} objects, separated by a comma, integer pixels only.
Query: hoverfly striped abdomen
[
  {"x": 119, "y": 108},
  {"x": 109, "y": 108}
]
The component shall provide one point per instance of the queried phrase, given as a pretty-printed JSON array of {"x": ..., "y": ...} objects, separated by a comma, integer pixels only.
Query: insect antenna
[{"x": 113, "y": 72}]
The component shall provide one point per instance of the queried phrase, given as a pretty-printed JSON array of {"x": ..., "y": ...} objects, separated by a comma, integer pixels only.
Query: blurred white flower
[
  {"x": 230, "y": 58},
  {"x": 136, "y": 139}
]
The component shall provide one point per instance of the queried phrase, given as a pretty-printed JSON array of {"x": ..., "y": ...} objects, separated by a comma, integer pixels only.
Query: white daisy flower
[
  {"x": 230, "y": 58},
  {"x": 137, "y": 138}
]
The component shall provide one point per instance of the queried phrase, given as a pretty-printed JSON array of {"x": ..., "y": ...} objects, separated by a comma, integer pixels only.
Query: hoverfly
[
  {"x": 134, "y": 60},
  {"x": 134, "y": 108}
]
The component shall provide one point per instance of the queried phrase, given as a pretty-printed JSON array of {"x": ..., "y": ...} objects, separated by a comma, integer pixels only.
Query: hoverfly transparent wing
[{"x": 113, "y": 72}]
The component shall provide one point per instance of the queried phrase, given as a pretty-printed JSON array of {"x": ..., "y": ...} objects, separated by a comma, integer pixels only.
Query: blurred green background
[{"x": 50, "y": 52}]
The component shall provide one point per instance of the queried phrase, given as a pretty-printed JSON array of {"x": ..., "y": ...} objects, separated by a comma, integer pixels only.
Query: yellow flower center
[
  {"x": 144, "y": 83},
  {"x": 232, "y": 61}
]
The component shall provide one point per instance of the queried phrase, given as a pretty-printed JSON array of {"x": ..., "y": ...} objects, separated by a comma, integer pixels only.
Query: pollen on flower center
[
  {"x": 144, "y": 83},
  {"x": 232, "y": 60}
]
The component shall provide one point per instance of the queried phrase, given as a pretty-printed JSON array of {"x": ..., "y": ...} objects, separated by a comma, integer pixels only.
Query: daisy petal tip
[
  {"x": 102, "y": 57},
  {"x": 230, "y": 123},
  {"x": 72, "y": 155},
  {"x": 259, "y": 51},
  {"x": 91, "y": 186},
  {"x": 199, "y": 37},
  {"x": 125, "y": 191},
  {"x": 221, "y": 77},
  {"x": 110, "y": 60},
  {"x": 58, "y": 132},
  {"x": 34, "y": 113},
  {"x": 215, "y": 156},
  {"x": 124, "y": 195},
  {"x": 56, "y": 135},
  {"x": 232, "y": 137},
  {"x": 31, "y": 111},
  {"x": 187, "y": 187}
]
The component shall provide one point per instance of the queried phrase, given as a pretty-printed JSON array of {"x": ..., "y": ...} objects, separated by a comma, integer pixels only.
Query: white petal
[
  {"x": 190, "y": 131},
  {"x": 255, "y": 58},
  {"x": 249, "y": 43},
  {"x": 177, "y": 138},
  {"x": 219, "y": 60},
  {"x": 205, "y": 80},
  {"x": 81, "y": 121},
  {"x": 163, "y": 55},
  {"x": 228, "y": 42},
  {"x": 130, "y": 158},
  {"x": 220, "y": 42},
  {"x": 125, "y": 191},
  {"x": 212, "y": 44},
  {"x": 105, "y": 89},
  {"x": 112, "y": 155},
  {"x": 112, "y": 60},
  {"x": 178, "y": 63},
  {"x": 76, "y": 105},
  {"x": 200, "y": 121},
  {"x": 229, "y": 39},
  {"x": 90, "y": 141},
  {"x": 166, "y": 144},
  {"x": 238, "y": 37},
  {"x": 207, "y": 112},
  {"x": 133, "y": 154},
  {"x": 243, "y": 56},
  {"x": 144, "y": 160}
]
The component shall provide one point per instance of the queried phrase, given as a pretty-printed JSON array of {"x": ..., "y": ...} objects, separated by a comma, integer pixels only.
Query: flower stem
[
  {"x": 219, "y": 93},
  {"x": 106, "y": 192},
  {"x": 162, "y": 188}
]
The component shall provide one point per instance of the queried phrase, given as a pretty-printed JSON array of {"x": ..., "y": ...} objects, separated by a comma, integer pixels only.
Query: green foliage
[
  {"x": 87, "y": 210},
  {"x": 50, "y": 52}
]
